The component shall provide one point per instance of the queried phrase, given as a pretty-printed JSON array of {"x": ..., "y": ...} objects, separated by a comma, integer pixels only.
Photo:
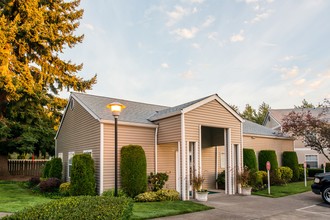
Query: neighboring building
[
  {"x": 204, "y": 137},
  {"x": 274, "y": 119}
]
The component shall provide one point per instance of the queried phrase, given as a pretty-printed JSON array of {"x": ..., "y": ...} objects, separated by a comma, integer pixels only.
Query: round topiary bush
[
  {"x": 250, "y": 159},
  {"x": 267, "y": 155},
  {"x": 56, "y": 168},
  {"x": 133, "y": 170},
  {"x": 290, "y": 159},
  {"x": 82, "y": 175}
]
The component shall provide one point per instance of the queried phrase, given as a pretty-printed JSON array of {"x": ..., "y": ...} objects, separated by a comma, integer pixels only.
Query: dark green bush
[
  {"x": 82, "y": 207},
  {"x": 267, "y": 155},
  {"x": 250, "y": 159},
  {"x": 312, "y": 172},
  {"x": 50, "y": 185},
  {"x": 157, "y": 181},
  {"x": 82, "y": 175},
  {"x": 33, "y": 181},
  {"x": 160, "y": 195},
  {"x": 56, "y": 168},
  {"x": 133, "y": 170},
  {"x": 327, "y": 167},
  {"x": 46, "y": 169},
  {"x": 290, "y": 159},
  {"x": 221, "y": 180}
]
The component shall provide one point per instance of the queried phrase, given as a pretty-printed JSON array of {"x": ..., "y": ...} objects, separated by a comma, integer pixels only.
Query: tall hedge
[
  {"x": 56, "y": 168},
  {"x": 290, "y": 159},
  {"x": 250, "y": 159},
  {"x": 46, "y": 169},
  {"x": 133, "y": 170},
  {"x": 267, "y": 155},
  {"x": 82, "y": 175}
]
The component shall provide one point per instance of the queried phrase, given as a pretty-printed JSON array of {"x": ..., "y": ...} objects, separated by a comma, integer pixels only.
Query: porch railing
[{"x": 26, "y": 167}]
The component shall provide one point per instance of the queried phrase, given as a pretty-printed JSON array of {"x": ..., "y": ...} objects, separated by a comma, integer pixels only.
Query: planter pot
[
  {"x": 201, "y": 196},
  {"x": 246, "y": 191}
]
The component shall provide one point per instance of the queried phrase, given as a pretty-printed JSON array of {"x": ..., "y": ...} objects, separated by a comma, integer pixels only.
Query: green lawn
[
  {"x": 14, "y": 198},
  {"x": 149, "y": 210},
  {"x": 285, "y": 190}
]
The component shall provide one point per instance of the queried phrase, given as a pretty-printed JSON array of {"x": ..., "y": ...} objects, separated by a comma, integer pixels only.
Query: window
[
  {"x": 60, "y": 155},
  {"x": 70, "y": 156},
  {"x": 71, "y": 104},
  {"x": 311, "y": 161},
  {"x": 222, "y": 160},
  {"x": 90, "y": 152}
]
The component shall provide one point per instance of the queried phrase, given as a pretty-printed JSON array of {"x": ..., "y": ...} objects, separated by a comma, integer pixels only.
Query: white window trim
[
  {"x": 317, "y": 159},
  {"x": 69, "y": 154},
  {"x": 60, "y": 155}
]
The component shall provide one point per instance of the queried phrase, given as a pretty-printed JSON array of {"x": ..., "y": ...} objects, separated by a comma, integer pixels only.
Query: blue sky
[{"x": 170, "y": 52}]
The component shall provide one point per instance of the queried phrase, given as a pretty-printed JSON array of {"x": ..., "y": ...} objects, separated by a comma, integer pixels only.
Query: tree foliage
[
  {"x": 253, "y": 115},
  {"x": 33, "y": 35},
  {"x": 315, "y": 130}
]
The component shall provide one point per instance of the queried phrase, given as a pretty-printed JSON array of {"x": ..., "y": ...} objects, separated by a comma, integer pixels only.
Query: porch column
[{"x": 183, "y": 160}]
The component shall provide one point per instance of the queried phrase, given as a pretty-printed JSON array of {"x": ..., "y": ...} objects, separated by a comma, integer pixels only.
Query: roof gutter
[{"x": 105, "y": 121}]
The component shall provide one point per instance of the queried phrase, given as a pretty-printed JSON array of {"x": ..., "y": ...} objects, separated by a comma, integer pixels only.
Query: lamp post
[{"x": 116, "y": 108}]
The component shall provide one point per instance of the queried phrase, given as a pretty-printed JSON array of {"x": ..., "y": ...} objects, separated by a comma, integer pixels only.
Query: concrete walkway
[
  {"x": 301, "y": 206},
  {"x": 3, "y": 214}
]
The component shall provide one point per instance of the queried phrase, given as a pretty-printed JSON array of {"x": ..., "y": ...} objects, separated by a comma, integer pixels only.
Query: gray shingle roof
[
  {"x": 250, "y": 127},
  {"x": 136, "y": 112}
]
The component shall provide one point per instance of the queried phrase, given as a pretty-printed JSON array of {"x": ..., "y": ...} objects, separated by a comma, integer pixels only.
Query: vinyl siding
[
  {"x": 126, "y": 135},
  {"x": 271, "y": 123},
  {"x": 209, "y": 166},
  {"x": 169, "y": 130},
  {"x": 265, "y": 143},
  {"x": 212, "y": 114},
  {"x": 79, "y": 132},
  {"x": 167, "y": 162}
]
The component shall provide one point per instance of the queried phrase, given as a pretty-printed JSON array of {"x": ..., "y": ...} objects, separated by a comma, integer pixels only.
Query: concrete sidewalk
[
  {"x": 3, "y": 214},
  {"x": 301, "y": 206}
]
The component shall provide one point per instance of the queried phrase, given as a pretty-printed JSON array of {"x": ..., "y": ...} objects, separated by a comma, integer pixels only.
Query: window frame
[
  {"x": 313, "y": 161},
  {"x": 70, "y": 156},
  {"x": 90, "y": 152}
]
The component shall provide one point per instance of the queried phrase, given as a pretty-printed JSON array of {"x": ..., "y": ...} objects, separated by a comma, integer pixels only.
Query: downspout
[
  {"x": 56, "y": 148},
  {"x": 183, "y": 158},
  {"x": 241, "y": 156},
  {"x": 156, "y": 150},
  {"x": 101, "y": 157}
]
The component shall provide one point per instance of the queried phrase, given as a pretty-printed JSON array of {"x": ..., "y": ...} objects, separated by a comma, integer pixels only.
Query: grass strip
[
  {"x": 285, "y": 190},
  {"x": 148, "y": 210}
]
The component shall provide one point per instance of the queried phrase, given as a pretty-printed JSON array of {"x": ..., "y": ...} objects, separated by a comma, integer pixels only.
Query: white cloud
[
  {"x": 237, "y": 37},
  {"x": 195, "y": 10},
  {"x": 165, "y": 65},
  {"x": 267, "y": 44},
  {"x": 196, "y": 46},
  {"x": 288, "y": 58},
  {"x": 89, "y": 26},
  {"x": 208, "y": 21},
  {"x": 251, "y": 1},
  {"x": 187, "y": 75},
  {"x": 196, "y": 1},
  {"x": 212, "y": 36},
  {"x": 315, "y": 84},
  {"x": 261, "y": 16},
  {"x": 186, "y": 33},
  {"x": 300, "y": 82},
  {"x": 287, "y": 73},
  {"x": 176, "y": 15}
]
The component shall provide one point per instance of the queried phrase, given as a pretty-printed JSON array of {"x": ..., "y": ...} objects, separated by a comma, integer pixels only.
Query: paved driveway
[{"x": 301, "y": 206}]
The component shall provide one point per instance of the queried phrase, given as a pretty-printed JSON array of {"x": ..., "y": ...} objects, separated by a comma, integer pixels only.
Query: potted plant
[
  {"x": 200, "y": 193},
  {"x": 243, "y": 178}
]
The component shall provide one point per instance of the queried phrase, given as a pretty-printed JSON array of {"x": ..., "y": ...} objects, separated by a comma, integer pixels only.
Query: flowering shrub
[
  {"x": 157, "y": 181},
  {"x": 160, "y": 195},
  {"x": 65, "y": 188}
]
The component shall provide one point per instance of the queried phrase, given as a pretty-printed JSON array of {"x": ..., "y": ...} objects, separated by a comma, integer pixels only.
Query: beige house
[
  {"x": 274, "y": 119},
  {"x": 204, "y": 137},
  {"x": 199, "y": 137}
]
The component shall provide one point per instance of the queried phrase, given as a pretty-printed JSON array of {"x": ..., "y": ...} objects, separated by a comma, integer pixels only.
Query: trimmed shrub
[
  {"x": 267, "y": 155},
  {"x": 46, "y": 169},
  {"x": 133, "y": 170},
  {"x": 327, "y": 167},
  {"x": 258, "y": 180},
  {"x": 301, "y": 173},
  {"x": 290, "y": 159},
  {"x": 160, "y": 195},
  {"x": 221, "y": 180},
  {"x": 312, "y": 172},
  {"x": 157, "y": 181},
  {"x": 111, "y": 193},
  {"x": 56, "y": 168},
  {"x": 82, "y": 207},
  {"x": 65, "y": 189},
  {"x": 286, "y": 174},
  {"x": 50, "y": 185},
  {"x": 82, "y": 175},
  {"x": 250, "y": 159}
]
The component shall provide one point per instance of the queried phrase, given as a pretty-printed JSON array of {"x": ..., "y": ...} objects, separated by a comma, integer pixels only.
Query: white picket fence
[{"x": 26, "y": 167}]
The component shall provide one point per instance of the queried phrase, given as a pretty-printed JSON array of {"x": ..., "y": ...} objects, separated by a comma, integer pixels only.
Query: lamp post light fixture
[{"x": 116, "y": 108}]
